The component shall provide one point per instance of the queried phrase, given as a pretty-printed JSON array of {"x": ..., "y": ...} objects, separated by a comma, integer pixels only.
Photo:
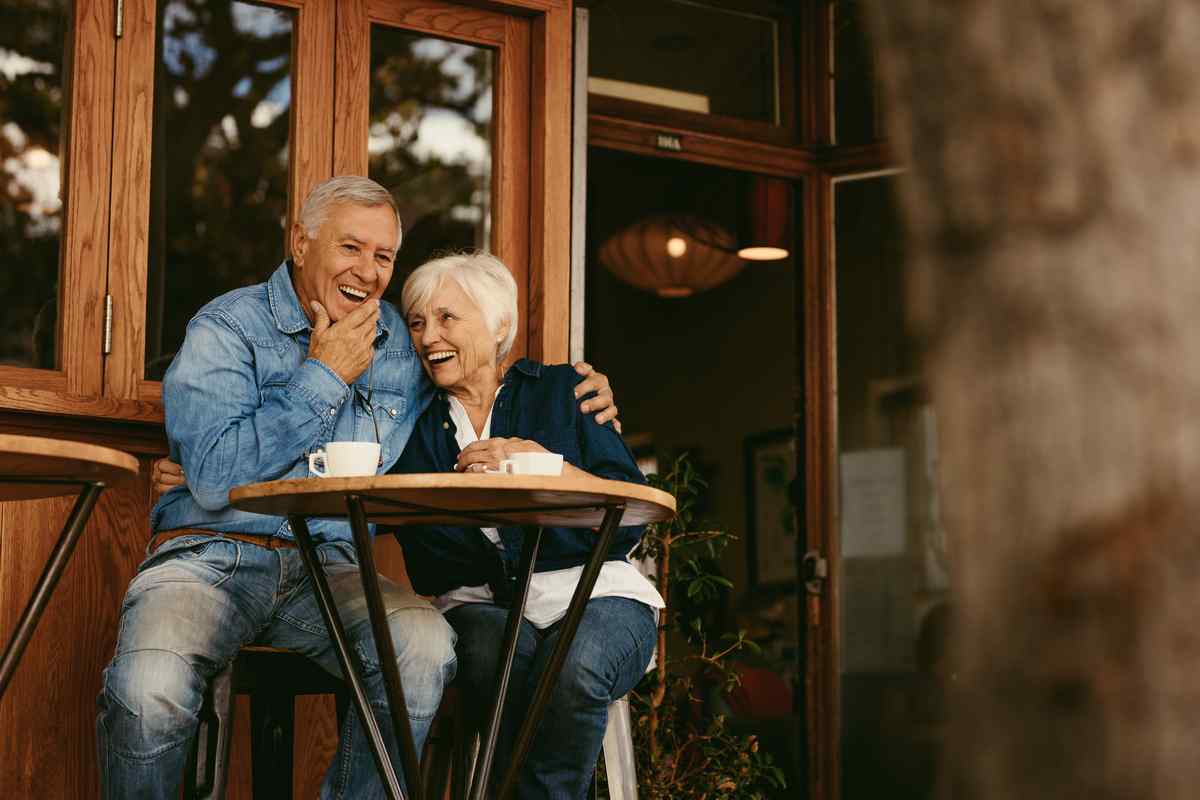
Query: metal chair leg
[{"x": 620, "y": 764}]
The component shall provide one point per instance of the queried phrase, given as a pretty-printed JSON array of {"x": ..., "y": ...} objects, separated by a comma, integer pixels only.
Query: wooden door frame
[{"x": 534, "y": 72}]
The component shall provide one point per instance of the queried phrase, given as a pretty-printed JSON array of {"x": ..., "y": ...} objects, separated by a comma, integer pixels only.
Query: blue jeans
[
  {"x": 608, "y": 657},
  {"x": 193, "y": 604}
]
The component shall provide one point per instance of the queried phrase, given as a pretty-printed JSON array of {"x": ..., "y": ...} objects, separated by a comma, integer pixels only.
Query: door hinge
[
  {"x": 107, "y": 324},
  {"x": 815, "y": 570},
  {"x": 119, "y": 20}
]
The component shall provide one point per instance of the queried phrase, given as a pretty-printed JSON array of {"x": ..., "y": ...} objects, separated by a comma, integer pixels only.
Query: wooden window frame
[
  {"x": 106, "y": 226},
  {"x": 783, "y": 133},
  {"x": 83, "y": 248}
]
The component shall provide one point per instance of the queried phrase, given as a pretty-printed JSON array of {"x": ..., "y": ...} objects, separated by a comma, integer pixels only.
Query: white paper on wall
[{"x": 874, "y": 512}]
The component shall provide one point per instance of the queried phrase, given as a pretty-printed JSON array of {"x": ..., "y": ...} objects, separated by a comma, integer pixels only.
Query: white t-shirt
[{"x": 549, "y": 592}]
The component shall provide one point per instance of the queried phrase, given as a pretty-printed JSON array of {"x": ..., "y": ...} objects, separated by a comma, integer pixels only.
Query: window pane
[
  {"x": 895, "y": 611},
  {"x": 857, "y": 118},
  {"x": 430, "y": 141},
  {"x": 34, "y": 82},
  {"x": 685, "y": 55},
  {"x": 219, "y": 168}
]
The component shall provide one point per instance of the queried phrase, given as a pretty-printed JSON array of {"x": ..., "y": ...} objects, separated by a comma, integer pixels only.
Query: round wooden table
[
  {"x": 33, "y": 467},
  {"x": 470, "y": 500}
]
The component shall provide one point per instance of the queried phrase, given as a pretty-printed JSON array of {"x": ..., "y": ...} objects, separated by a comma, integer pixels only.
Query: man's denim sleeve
[
  {"x": 603, "y": 451},
  {"x": 224, "y": 428}
]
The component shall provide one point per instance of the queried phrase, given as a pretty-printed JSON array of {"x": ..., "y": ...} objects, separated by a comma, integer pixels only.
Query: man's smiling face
[{"x": 348, "y": 262}]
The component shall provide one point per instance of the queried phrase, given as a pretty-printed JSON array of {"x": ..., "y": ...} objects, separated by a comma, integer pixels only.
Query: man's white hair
[
  {"x": 353, "y": 189},
  {"x": 483, "y": 277}
]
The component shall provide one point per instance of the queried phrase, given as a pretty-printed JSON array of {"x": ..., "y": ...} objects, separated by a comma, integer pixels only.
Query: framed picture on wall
[{"x": 770, "y": 513}]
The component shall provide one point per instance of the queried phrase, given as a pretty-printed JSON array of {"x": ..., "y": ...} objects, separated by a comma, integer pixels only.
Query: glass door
[
  {"x": 56, "y": 66},
  {"x": 890, "y": 626},
  {"x": 432, "y": 97},
  {"x": 219, "y": 108}
]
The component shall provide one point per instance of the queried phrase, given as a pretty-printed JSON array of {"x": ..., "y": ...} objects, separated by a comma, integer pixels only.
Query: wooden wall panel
[{"x": 47, "y": 718}]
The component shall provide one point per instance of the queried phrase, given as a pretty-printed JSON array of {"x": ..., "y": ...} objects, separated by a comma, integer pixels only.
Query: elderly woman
[{"x": 462, "y": 315}]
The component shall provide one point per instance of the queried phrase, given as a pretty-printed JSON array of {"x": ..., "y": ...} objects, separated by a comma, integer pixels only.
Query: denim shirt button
[
  {"x": 392, "y": 411},
  {"x": 333, "y": 412}
]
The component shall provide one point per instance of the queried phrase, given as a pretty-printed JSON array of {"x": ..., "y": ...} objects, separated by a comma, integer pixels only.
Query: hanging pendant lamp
[{"x": 672, "y": 255}]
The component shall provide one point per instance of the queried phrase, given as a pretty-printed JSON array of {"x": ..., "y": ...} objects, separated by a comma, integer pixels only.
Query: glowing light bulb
[{"x": 676, "y": 247}]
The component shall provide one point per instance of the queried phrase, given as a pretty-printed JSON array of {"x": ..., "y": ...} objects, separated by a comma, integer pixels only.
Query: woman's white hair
[
  {"x": 483, "y": 277},
  {"x": 353, "y": 189}
]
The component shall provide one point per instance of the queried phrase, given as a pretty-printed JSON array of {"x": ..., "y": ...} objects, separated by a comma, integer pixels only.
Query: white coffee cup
[
  {"x": 533, "y": 464},
  {"x": 345, "y": 459}
]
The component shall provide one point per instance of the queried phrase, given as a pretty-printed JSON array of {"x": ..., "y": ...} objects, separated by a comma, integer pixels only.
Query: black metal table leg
[
  {"x": 385, "y": 647},
  {"x": 350, "y": 669},
  {"x": 541, "y": 694},
  {"x": 516, "y": 612},
  {"x": 55, "y": 565}
]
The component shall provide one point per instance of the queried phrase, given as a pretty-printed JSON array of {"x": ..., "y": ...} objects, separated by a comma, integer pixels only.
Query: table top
[
  {"x": 29, "y": 458},
  {"x": 451, "y": 498}
]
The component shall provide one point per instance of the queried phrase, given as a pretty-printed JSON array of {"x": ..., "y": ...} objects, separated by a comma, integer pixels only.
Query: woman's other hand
[
  {"x": 602, "y": 405},
  {"x": 487, "y": 454},
  {"x": 166, "y": 475}
]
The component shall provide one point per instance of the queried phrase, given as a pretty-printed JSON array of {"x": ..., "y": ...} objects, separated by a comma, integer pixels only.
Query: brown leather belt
[{"x": 258, "y": 540}]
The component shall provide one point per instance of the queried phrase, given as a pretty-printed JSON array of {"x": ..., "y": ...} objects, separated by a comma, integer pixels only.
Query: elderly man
[{"x": 267, "y": 374}]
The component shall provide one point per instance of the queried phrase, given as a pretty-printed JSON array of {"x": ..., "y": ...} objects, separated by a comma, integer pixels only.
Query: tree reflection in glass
[
  {"x": 430, "y": 141},
  {"x": 34, "y": 89},
  {"x": 219, "y": 169}
]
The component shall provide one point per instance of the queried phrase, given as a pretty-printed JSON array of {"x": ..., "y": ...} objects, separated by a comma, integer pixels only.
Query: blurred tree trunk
[{"x": 1053, "y": 185}]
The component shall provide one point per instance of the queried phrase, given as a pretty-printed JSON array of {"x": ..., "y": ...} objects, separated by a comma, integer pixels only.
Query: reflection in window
[
  {"x": 895, "y": 614},
  {"x": 685, "y": 55},
  {"x": 219, "y": 169},
  {"x": 430, "y": 141},
  {"x": 34, "y": 90},
  {"x": 857, "y": 118}
]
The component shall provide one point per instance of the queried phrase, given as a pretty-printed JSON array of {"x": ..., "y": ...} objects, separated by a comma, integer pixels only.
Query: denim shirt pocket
[{"x": 390, "y": 412}]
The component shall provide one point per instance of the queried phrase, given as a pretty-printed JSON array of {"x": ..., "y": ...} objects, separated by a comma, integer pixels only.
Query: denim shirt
[
  {"x": 244, "y": 403},
  {"x": 535, "y": 402}
]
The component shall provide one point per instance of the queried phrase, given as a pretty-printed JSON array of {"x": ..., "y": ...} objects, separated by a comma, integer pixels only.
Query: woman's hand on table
[
  {"x": 487, "y": 454},
  {"x": 166, "y": 475}
]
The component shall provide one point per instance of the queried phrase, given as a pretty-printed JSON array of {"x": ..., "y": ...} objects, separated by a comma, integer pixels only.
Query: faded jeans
[
  {"x": 608, "y": 657},
  {"x": 193, "y": 604}
]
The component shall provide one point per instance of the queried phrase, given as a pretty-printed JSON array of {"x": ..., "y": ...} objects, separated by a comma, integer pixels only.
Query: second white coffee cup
[
  {"x": 345, "y": 459},
  {"x": 533, "y": 464}
]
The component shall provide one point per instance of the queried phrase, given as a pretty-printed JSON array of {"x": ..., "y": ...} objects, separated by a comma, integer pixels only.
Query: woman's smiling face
[{"x": 452, "y": 338}]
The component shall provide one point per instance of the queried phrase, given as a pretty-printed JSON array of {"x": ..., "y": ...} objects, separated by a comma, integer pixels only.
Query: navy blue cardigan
[{"x": 535, "y": 402}]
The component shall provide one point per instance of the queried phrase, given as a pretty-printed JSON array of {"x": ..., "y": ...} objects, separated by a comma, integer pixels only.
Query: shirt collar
[
  {"x": 527, "y": 367},
  {"x": 285, "y": 305}
]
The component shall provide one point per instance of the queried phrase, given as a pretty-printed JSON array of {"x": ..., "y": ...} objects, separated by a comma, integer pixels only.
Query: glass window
[
  {"x": 895, "y": 611},
  {"x": 857, "y": 118},
  {"x": 430, "y": 141},
  {"x": 685, "y": 55},
  {"x": 218, "y": 194},
  {"x": 35, "y": 65}
]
